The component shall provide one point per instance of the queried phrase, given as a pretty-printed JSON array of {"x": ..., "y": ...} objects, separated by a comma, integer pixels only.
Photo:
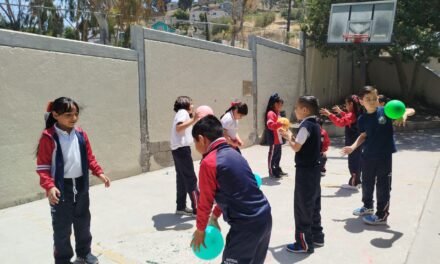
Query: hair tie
[
  {"x": 355, "y": 98},
  {"x": 235, "y": 103},
  {"x": 49, "y": 107}
]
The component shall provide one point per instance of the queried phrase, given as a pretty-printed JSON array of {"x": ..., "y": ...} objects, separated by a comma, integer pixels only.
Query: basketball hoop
[{"x": 356, "y": 38}]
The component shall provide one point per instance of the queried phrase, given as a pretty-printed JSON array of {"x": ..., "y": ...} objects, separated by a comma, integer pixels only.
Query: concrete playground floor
[{"x": 134, "y": 221}]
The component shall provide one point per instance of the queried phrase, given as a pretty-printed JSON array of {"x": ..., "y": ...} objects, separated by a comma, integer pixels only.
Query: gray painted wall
[{"x": 103, "y": 80}]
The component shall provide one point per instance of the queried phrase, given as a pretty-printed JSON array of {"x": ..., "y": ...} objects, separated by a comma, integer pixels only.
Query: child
[
  {"x": 377, "y": 137},
  {"x": 230, "y": 123},
  {"x": 181, "y": 139},
  {"x": 307, "y": 197},
  {"x": 273, "y": 134},
  {"x": 325, "y": 143},
  {"x": 349, "y": 121},
  {"x": 225, "y": 176},
  {"x": 383, "y": 100},
  {"x": 64, "y": 157}
]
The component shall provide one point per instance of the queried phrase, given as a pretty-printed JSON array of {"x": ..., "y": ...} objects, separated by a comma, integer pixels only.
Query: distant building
[{"x": 162, "y": 27}]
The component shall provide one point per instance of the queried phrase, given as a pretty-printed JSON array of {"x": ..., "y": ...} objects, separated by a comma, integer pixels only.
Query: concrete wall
[
  {"x": 278, "y": 68},
  {"x": 211, "y": 74},
  {"x": 36, "y": 69},
  {"x": 383, "y": 75},
  {"x": 328, "y": 78}
]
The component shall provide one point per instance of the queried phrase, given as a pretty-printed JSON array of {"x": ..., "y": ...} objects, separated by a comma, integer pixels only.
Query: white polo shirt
[
  {"x": 230, "y": 124},
  {"x": 71, "y": 154},
  {"x": 183, "y": 138}
]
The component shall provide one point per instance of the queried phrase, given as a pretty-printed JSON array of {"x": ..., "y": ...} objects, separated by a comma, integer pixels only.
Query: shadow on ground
[
  {"x": 270, "y": 181},
  {"x": 281, "y": 255},
  {"x": 341, "y": 192},
  {"x": 166, "y": 222},
  {"x": 356, "y": 225}
]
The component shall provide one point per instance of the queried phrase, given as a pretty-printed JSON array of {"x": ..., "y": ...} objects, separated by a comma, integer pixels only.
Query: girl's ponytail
[{"x": 48, "y": 116}]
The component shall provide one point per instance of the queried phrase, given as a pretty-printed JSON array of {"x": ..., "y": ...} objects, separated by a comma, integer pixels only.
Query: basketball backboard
[{"x": 365, "y": 22}]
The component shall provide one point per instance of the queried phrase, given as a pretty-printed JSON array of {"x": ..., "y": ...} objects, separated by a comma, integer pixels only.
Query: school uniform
[
  {"x": 186, "y": 179},
  {"x": 226, "y": 179},
  {"x": 274, "y": 140},
  {"x": 351, "y": 130},
  {"x": 377, "y": 153},
  {"x": 63, "y": 161},
  {"x": 307, "y": 196},
  {"x": 231, "y": 126}
]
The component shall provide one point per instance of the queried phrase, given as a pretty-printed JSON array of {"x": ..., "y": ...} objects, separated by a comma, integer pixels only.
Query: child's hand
[
  {"x": 105, "y": 180},
  {"x": 213, "y": 221},
  {"x": 239, "y": 143},
  {"x": 401, "y": 121},
  {"x": 347, "y": 150},
  {"x": 53, "y": 195},
  {"x": 324, "y": 111},
  {"x": 287, "y": 135},
  {"x": 198, "y": 239},
  {"x": 336, "y": 109}
]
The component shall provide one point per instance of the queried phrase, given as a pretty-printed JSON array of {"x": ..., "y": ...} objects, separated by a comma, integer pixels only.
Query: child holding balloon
[
  {"x": 226, "y": 178},
  {"x": 307, "y": 194},
  {"x": 377, "y": 137},
  {"x": 230, "y": 123},
  {"x": 348, "y": 120},
  {"x": 273, "y": 134},
  {"x": 181, "y": 140}
]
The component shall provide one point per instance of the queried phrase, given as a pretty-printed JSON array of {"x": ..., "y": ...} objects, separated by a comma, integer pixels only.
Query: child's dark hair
[
  {"x": 182, "y": 102},
  {"x": 209, "y": 127},
  {"x": 357, "y": 108},
  {"x": 241, "y": 108},
  {"x": 383, "y": 99},
  {"x": 366, "y": 90},
  {"x": 273, "y": 99},
  {"x": 60, "y": 106},
  {"x": 310, "y": 102}
]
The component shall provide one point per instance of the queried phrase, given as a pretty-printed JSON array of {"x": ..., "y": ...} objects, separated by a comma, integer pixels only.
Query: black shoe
[
  {"x": 275, "y": 176},
  {"x": 282, "y": 173},
  {"x": 318, "y": 242}
]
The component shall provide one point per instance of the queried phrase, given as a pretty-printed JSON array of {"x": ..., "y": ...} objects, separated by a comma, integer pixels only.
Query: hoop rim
[{"x": 355, "y": 38}]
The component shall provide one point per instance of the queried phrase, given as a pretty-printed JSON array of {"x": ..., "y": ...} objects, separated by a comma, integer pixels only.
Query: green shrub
[{"x": 265, "y": 19}]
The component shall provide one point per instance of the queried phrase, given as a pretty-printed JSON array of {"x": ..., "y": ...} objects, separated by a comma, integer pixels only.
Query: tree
[
  {"x": 239, "y": 8},
  {"x": 185, "y": 4},
  {"x": 416, "y": 35},
  {"x": 13, "y": 14}
]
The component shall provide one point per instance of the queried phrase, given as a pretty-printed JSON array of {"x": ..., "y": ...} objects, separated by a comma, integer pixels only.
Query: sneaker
[
  {"x": 275, "y": 176},
  {"x": 89, "y": 259},
  {"x": 318, "y": 242},
  {"x": 363, "y": 211},
  {"x": 351, "y": 187},
  {"x": 297, "y": 248},
  {"x": 186, "y": 211},
  {"x": 282, "y": 173},
  {"x": 322, "y": 173},
  {"x": 374, "y": 220}
]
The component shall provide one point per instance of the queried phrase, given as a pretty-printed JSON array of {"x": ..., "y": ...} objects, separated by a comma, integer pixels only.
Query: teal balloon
[
  {"x": 395, "y": 109},
  {"x": 258, "y": 179},
  {"x": 214, "y": 244}
]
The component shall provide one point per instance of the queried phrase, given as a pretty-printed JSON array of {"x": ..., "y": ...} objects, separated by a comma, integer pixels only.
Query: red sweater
[
  {"x": 346, "y": 119},
  {"x": 45, "y": 158},
  {"x": 273, "y": 125},
  {"x": 325, "y": 140}
]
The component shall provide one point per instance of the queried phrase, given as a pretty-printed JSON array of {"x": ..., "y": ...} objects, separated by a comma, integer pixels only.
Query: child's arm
[
  {"x": 359, "y": 141},
  {"x": 346, "y": 119},
  {"x": 326, "y": 141},
  {"x": 402, "y": 121},
  {"x": 297, "y": 143},
  {"x": 93, "y": 163},
  {"x": 272, "y": 121},
  {"x": 208, "y": 187},
  {"x": 44, "y": 163},
  {"x": 183, "y": 125}
]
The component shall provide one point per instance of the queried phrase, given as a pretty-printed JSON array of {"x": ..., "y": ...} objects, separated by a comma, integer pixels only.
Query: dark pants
[
  {"x": 323, "y": 161},
  {"x": 274, "y": 159},
  {"x": 248, "y": 243},
  {"x": 307, "y": 206},
  {"x": 377, "y": 171},
  {"x": 186, "y": 180},
  {"x": 73, "y": 209},
  {"x": 354, "y": 166}
]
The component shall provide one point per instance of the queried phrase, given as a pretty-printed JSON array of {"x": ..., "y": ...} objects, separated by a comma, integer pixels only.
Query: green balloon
[{"x": 395, "y": 109}]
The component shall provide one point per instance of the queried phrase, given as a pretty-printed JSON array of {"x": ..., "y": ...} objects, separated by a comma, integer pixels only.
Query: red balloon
[{"x": 204, "y": 110}]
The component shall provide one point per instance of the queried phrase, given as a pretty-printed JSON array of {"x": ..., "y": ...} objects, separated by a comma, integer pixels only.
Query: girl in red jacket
[
  {"x": 64, "y": 157},
  {"x": 273, "y": 135},
  {"x": 349, "y": 121}
]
